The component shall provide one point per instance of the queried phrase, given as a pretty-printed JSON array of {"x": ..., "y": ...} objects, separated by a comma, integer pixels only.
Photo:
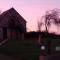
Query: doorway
[{"x": 4, "y": 33}]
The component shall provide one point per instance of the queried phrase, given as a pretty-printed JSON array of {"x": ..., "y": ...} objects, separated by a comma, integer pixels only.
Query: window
[{"x": 4, "y": 33}]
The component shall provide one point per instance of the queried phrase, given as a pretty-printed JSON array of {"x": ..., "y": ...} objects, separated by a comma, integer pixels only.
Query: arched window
[{"x": 11, "y": 22}]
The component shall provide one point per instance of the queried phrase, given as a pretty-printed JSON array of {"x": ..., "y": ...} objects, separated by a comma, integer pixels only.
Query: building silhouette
[{"x": 12, "y": 25}]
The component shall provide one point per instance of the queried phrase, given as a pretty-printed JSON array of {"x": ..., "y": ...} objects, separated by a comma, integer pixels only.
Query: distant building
[{"x": 12, "y": 25}]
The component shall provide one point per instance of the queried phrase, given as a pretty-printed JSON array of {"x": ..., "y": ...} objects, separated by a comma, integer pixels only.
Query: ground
[{"x": 25, "y": 50}]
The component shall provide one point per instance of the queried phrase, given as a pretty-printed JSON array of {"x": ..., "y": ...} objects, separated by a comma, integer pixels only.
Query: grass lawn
[{"x": 25, "y": 49}]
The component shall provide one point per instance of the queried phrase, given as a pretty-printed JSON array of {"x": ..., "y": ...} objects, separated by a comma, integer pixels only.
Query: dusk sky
[{"x": 31, "y": 10}]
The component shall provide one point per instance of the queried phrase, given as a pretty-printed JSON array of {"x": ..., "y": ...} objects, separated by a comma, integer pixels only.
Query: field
[{"x": 25, "y": 50}]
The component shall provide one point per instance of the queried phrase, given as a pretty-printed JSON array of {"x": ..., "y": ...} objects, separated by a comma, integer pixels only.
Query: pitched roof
[{"x": 5, "y": 17}]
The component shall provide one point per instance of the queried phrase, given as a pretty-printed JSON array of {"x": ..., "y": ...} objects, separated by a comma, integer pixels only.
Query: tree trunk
[
  {"x": 46, "y": 29},
  {"x": 46, "y": 25}
]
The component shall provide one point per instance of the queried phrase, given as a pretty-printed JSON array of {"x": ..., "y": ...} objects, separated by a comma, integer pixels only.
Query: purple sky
[{"x": 31, "y": 10}]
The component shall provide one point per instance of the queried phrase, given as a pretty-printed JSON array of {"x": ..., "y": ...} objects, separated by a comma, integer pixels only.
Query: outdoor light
[
  {"x": 57, "y": 48},
  {"x": 42, "y": 47}
]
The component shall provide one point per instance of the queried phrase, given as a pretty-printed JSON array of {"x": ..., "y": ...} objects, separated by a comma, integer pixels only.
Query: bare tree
[
  {"x": 52, "y": 16},
  {"x": 39, "y": 26},
  {"x": 40, "y": 23}
]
